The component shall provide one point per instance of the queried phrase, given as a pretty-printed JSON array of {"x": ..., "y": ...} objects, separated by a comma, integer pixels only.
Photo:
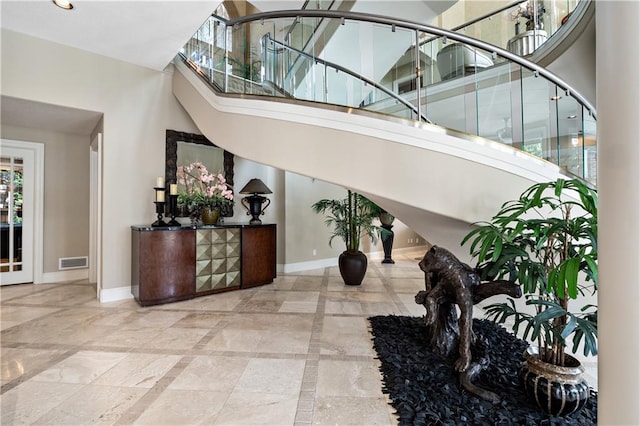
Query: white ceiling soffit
[
  {"x": 56, "y": 118},
  {"x": 148, "y": 33}
]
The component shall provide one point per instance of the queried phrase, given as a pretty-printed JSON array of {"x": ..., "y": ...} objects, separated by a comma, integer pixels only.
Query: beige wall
[
  {"x": 306, "y": 229},
  {"x": 66, "y": 192},
  {"x": 138, "y": 107}
]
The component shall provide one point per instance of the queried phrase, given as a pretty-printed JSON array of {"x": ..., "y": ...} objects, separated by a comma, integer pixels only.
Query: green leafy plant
[
  {"x": 547, "y": 241},
  {"x": 351, "y": 218}
]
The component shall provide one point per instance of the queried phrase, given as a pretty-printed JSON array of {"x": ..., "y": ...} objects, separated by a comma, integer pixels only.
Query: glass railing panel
[
  {"x": 539, "y": 127},
  {"x": 388, "y": 59},
  {"x": 494, "y": 102},
  {"x": 218, "y": 49},
  {"x": 428, "y": 58},
  {"x": 199, "y": 50},
  {"x": 467, "y": 79},
  {"x": 589, "y": 146},
  {"x": 570, "y": 134},
  {"x": 302, "y": 29},
  {"x": 445, "y": 101}
]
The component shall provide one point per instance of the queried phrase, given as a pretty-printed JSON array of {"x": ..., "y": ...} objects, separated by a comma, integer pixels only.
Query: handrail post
[
  {"x": 418, "y": 76},
  {"x": 225, "y": 62}
]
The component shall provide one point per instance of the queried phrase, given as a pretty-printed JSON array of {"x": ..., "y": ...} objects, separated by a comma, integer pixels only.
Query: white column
[{"x": 618, "y": 106}]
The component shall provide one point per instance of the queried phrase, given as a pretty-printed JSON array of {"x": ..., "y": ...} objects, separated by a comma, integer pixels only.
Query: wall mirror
[{"x": 184, "y": 148}]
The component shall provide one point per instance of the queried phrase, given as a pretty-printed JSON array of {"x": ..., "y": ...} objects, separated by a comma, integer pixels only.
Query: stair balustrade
[{"x": 383, "y": 65}]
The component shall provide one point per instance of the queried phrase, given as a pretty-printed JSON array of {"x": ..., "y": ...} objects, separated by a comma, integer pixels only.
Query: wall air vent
[{"x": 73, "y": 262}]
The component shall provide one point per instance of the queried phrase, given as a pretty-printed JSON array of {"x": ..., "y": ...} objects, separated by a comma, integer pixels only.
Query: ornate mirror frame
[{"x": 171, "y": 155}]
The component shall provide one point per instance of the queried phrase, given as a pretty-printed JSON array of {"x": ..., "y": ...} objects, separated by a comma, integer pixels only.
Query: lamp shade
[{"x": 255, "y": 186}]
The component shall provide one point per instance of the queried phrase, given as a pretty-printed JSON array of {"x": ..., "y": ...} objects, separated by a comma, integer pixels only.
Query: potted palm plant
[
  {"x": 351, "y": 218},
  {"x": 547, "y": 241}
]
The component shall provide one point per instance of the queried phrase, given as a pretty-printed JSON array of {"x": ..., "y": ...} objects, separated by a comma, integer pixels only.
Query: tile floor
[{"x": 295, "y": 352}]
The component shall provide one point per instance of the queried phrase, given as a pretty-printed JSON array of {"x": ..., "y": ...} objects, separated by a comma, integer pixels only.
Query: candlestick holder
[
  {"x": 159, "y": 206},
  {"x": 173, "y": 206},
  {"x": 159, "y": 211}
]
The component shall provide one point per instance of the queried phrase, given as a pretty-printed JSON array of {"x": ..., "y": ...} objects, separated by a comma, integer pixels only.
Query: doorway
[
  {"x": 21, "y": 197},
  {"x": 95, "y": 213}
]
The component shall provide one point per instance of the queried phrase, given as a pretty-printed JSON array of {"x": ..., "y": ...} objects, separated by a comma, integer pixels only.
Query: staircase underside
[{"x": 434, "y": 180}]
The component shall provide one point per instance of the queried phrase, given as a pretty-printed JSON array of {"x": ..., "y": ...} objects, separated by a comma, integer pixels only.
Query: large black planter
[
  {"x": 557, "y": 390},
  {"x": 353, "y": 267}
]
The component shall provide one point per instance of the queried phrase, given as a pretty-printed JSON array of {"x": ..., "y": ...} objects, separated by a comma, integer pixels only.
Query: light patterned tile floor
[{"x": 295, "y": 352}]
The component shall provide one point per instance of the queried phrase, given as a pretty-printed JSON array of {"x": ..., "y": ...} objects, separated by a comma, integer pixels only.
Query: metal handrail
[
  {"x": 354, "y": 74},
  {"x": 488, "y": 14},
  {"x": 416, "y": 26}
]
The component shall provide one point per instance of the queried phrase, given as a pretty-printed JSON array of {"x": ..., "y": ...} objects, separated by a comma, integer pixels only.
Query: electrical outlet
[{"x": 315, "y": 252}]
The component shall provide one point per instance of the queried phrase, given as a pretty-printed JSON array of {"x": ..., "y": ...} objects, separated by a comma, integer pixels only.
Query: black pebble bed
[{"x": 424, "y": 388}]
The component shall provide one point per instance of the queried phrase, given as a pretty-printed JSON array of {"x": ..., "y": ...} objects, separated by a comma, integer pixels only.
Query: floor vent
[{"x": 73, "y": 262}]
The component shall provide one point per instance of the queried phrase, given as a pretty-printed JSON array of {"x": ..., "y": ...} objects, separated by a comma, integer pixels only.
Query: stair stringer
[{"x": 449, "y": 176}]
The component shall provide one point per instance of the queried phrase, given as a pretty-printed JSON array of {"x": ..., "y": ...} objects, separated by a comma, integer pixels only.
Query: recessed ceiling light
[{"x": 64, "y": 4}]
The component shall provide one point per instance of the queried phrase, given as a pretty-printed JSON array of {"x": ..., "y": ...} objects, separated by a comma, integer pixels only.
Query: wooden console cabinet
[{"x": 178, "y": 263}]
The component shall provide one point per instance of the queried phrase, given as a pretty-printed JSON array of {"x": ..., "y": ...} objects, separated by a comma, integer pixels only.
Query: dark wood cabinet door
[
  {"x": 163, "y": 266},
  {"x": 258, "y": 255}
]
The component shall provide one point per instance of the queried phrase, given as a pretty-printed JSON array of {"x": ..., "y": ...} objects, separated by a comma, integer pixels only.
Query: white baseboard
[
  {"x": 313, "y": 264},
  {"x": 324, "y": 263},
  {"x": 61, "y": 276},
  {"x": 115, "y": 294}
]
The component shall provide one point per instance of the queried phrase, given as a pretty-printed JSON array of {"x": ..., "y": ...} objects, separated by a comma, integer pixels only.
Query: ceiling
[{"x": 146, "y": 33}]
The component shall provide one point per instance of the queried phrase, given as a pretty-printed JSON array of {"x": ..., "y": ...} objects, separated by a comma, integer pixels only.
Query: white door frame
[
  {"x": 38, "y": 201},
  {"x": 95, "y": 214}
]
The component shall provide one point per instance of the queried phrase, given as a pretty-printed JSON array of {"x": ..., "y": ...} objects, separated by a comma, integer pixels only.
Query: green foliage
[
  {"x": 351, "y": 218},
  {"x": 547, "y": 241},
  {"x": 247, "y": 69}
]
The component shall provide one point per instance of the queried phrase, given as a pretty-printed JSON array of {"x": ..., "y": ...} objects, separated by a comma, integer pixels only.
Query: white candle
[
  {"x": 160, "y": 196},
  {"x": 160, "y": 182},
  {"x": 173, "y": 189}
]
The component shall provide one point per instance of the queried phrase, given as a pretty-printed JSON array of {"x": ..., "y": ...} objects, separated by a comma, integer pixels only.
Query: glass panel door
[
  {"x": 16, "y": 228},
  {"x": 11, "y": 178}
]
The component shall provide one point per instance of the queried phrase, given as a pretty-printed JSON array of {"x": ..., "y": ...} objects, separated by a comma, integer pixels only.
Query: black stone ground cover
[{"x": 424, "y": 387}]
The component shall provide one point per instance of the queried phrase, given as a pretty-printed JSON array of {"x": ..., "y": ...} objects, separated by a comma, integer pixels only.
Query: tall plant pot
[
  {"x": 386, "y": 220},
  {"x": 353, "y": 266},
  {"x": 557, "y": 390}
]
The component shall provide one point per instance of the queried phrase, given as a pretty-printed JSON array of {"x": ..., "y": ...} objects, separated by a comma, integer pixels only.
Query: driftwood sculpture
[{"x": 450, "y": 283}]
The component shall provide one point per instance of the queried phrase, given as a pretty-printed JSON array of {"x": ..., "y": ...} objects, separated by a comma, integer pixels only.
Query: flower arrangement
[
  {"x": 200, "y": 189},
  {"x": 532, "y": 12}
]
